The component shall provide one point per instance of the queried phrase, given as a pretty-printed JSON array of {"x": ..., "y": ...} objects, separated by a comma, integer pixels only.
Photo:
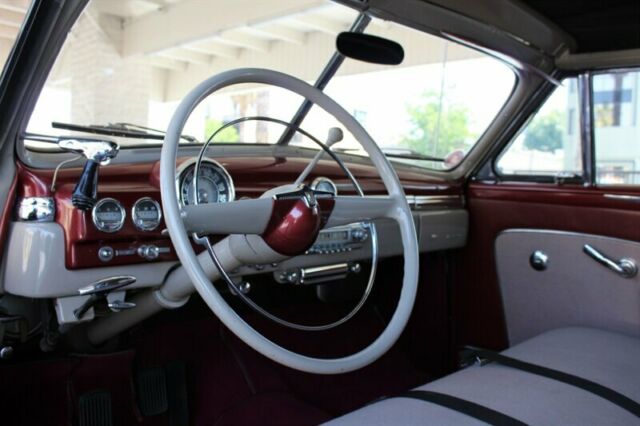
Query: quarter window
[
  {"x": 616, "y": 111},
  {"x": 550, "y": 144}
]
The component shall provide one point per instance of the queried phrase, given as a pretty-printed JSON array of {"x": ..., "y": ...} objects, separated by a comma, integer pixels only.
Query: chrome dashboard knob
[{"x": 149, "y": 252}]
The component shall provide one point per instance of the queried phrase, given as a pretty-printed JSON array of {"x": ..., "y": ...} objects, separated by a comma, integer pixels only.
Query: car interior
[{"x": 301, "y": 212}]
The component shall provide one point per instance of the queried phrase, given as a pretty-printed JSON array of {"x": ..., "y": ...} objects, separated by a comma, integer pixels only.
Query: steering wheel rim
[{"x": 399, "y": 211}]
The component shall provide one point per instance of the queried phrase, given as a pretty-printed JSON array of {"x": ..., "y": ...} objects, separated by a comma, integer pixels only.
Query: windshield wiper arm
[
  {"x": 408, "y": 154},
  {"x": 123, "y": 130},
  {"x": 146, "y": 130},
  {"x": 413, "y": 156}
]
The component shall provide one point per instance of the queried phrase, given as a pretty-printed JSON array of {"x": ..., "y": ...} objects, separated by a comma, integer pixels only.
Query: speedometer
[{"x": 214, "y": 184}]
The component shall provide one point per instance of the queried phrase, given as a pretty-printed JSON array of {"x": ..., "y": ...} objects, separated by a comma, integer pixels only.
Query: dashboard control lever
[
  {"x": 99, "y": 290},
  {"x": 120, "y": 305},
  {"x": 107, "y": 285},
  {"x": 96, "y": 151}
]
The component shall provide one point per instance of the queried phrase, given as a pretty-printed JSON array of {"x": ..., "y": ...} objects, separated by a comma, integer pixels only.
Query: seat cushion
[{"x": 609, "y": 359}]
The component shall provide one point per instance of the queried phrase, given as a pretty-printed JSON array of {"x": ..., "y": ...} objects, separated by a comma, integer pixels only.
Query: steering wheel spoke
[
  {"x": 351, "y": 209},
  {"x": 250, "y": 216}
]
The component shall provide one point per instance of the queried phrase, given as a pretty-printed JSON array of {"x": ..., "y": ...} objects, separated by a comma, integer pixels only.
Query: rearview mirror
[{"x": 369, "y": 48}]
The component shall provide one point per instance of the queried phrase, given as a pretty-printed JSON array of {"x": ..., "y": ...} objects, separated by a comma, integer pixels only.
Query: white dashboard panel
[
  {"x": 35, "y": 267},
  {"x": 35, "y": 264}
]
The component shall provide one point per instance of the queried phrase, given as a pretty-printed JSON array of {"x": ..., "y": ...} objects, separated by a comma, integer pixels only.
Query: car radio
[{"x": 340, "y": 239}]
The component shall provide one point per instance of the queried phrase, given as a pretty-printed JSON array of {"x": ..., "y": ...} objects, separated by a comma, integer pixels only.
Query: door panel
[
  {"x": 494, "y": 208},
  {"x": 573, "y": 290}
]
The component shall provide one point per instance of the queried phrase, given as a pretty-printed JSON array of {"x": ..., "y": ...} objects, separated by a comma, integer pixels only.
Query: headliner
[{"x": 596, "y": 25}]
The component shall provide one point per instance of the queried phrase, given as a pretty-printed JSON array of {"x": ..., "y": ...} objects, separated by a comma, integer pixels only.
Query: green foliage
[
  {"x": 545, "y": 132},
  {"x": 453, "y": 128},
  {"x": 228, "y": 135}
]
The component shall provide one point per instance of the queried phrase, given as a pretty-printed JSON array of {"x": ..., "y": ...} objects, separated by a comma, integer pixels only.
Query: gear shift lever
[{"x": 96, "y": 151}]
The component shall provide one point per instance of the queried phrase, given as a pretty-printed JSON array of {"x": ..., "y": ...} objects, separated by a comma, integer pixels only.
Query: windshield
[{"x": 124, "y": 63}]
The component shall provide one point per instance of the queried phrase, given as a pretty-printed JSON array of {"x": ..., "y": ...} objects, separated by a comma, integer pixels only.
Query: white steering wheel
[{"x": 283, "y": 221}]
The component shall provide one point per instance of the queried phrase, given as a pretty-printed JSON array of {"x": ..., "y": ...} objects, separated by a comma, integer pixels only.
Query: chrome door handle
[{"x": 624, "y": 267}]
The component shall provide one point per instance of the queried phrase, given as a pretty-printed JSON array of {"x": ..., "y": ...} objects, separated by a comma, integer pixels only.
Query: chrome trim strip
[
  {"x": 622, "y": 197},
  {"x": 417, "y": 201},
  {"x": 323, "y": 270},
  {"x": 426, "y": 187},
  {"x": 560, "y": 233},
  {"x": 36, "y": 209},
  {"x": 586, "y": 129}
]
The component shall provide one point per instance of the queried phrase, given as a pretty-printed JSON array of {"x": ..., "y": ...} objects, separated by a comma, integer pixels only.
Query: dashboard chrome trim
[
  {"x": 420, "y": 201},
  {"x": 183, "y": 169},
  {"x": 36, "y": 209},
  {"x": 319, "y": 179}
]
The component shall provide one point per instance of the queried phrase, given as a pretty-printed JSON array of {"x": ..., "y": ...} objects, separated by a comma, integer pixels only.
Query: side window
[
  {"x": 616, "y": 119},
  {"x": 550, "y": 143}
]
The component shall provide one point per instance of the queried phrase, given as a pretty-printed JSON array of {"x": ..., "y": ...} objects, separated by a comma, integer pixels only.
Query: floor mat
[
  {"x": 272, "y": 409},
  {"x": 225, "y": 381},
  {"x": 36, "y": 393}
]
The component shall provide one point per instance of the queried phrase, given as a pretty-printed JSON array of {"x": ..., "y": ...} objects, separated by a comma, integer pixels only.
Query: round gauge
[
  {"x": 214, "y": 184},
  {"x": 108, "y": 215},
  {"x": 324, "y": 184},
  {"x": 146, "y": 214}
]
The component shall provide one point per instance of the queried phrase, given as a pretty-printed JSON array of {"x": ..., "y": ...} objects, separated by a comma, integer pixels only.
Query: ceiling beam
[
  {"x": 166, "y": 63},
  {"x": 19, "y": 6},
  {"x": 156, "y": 3},
  {"x": 278, "y": 32},
  {"x": 186, "y": 56},
  {"x": 240, "y": 38},
  {"x": 214, "y": 49},
  {"x": 8, "y": 32},
  {"x": 11, "y": 18},
  {"x": 321, "y": 24},
  {"x": 190, "y": 21}
]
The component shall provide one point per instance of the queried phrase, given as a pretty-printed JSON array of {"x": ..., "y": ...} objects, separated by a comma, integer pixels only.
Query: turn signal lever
[{"x": 96, "y": 151}]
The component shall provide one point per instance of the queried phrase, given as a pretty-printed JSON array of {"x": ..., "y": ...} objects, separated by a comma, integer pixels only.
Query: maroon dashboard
[{"x": 128, "y": 183}]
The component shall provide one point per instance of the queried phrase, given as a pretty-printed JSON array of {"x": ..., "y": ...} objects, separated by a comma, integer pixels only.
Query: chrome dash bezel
[
  {"x": 319, "y": 179},
  {"x": 96, "y": 220},
  {"x": 134, "y": 219},
  {"x": 184, "y": 168}
]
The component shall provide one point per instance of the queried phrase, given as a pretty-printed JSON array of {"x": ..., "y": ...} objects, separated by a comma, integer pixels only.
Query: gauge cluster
[{"x": 109, "y": 215}]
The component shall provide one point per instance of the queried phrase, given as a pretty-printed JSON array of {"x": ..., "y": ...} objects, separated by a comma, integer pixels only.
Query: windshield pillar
[{"x": 358, "y": 26}]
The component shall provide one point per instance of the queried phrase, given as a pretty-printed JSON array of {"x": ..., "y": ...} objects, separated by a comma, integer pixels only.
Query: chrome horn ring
[{"x": 205, "y": 242}]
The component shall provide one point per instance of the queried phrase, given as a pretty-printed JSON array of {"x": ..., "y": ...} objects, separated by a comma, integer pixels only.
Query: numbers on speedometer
[{"x": 214, "y": 184}]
